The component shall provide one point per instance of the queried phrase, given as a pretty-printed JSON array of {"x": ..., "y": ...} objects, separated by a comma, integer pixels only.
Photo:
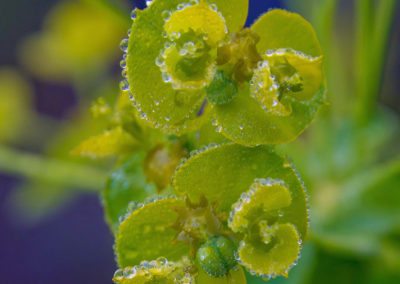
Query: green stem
[
  {"x": 373, "y": 31},
  {"x": 50, "y": 170}
]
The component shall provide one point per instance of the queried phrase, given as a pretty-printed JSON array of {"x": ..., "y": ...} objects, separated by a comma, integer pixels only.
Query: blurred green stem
[
  {"x": 372, "y": 36},
  {"x": 51, "y": 170}
]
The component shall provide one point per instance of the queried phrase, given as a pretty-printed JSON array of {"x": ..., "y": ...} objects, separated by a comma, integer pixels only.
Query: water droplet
[
  {"x": 166, "y": 15},
  {"x": 124, "y": 85},
  {"x": 124, "y": 44},
  {"x": 149, "y": 2},
  {"x": 119, "y": 273},
  {"x": 134, "y": 14},
  {"x": 122, "y": 63},
  {"x": 159, "y": 60}
]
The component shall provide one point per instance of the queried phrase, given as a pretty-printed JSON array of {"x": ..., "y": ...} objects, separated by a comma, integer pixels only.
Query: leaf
[
  {"x": 264, "y": 195},
  {"x": 15, "y": 112},
  {"x": 157, "y": 100},
  {"x": 269, "y": 247},
  {"x": 113, "y": 142},
  {"x": 172, "y": 110},
  {"x": 125, "y": 184},
  {"x": 244, "y": 121},
  {"x": 276, "y": 260},
  {"x": 145, "y": 234},
  {"x": 223, "y": 173},
  {"x": 78, "y": 38},
  {"x": 281, "y": 29},
  {"x": 235, "y": 276},
  {"x": 235, "y": 14},
  {"x": 199, "y": 18}
]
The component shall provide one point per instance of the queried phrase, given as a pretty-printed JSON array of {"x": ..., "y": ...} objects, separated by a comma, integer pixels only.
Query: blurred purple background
[{"x": 75, "y": 245}]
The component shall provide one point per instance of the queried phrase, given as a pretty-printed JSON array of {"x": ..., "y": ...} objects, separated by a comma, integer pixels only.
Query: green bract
[
  {"x": 268, "y": 215},
  {"x": 126, "y": 184},
  {"x": 145, "y": 233},
  {"x": 189, "y": 60},
  {"x": 190, "y": 66}
]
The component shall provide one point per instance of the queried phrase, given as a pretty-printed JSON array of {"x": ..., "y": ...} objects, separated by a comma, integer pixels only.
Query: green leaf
[
  {"x": 282, "y": 29},
  {"x": 235, "y": 276},
  {"x": 199, "y": 18},
  {"x": 223, "y": 173},
  {"x": 245, "y": 122},
  {"x": 254, "y": 119},
  {"x": 127, "y": 183},
  {"x": 165, "y": 107},
  {"x": 15, "y": 96},
  {"x": 264, "y": 196},
  {"x": 114, "y": 142},
  {"x": 271, "y": 261},
  {"x": 235, "y": 14},
  {"x": 145, "y": 234},
  {"x": 158, "y": 101},
  {"x": 78, "y": 40},
  {"x": 269, "y": 247}
]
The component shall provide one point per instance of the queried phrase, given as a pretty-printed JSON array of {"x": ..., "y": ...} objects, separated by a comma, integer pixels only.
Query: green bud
[{"x": 217, "y": 256}]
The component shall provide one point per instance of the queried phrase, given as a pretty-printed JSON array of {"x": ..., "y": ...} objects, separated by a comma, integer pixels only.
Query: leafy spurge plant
[{"x": 233, "y": 202}]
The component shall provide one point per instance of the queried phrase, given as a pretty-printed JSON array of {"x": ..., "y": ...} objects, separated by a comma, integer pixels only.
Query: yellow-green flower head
[
  {"x": 186, "y": 60},
  {"x": 267, "y": 209}
]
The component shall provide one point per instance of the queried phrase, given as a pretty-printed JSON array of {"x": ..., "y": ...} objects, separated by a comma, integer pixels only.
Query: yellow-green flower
[
  {"x": 268, "y": 217},
  {"x": 186, "y": 60}
]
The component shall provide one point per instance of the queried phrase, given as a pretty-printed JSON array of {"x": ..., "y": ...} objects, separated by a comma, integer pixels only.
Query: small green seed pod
[{"x": 217, "y": 256}]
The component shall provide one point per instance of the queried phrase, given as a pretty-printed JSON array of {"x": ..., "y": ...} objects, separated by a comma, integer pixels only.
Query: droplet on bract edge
[
  {"x": 124, "y": 85},
  {"x": 134, "y": 14},
  {"x": 124, "y": 44}
]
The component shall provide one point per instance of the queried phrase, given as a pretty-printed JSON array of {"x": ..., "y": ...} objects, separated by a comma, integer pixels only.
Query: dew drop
[
  {"x": 134, "y": 14},
  {"x": 122, "y": 63},
  {"x": 119, "y": 273},
  {"x": 159, "y": 61},
  {"x": 149, "y": 2},
  {"x": 124, "y": 85},
  {"x": 124, "y": 44},
  {"x": 166, "y": 15}
]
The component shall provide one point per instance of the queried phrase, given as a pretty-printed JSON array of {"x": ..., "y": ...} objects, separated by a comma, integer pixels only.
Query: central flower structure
[
  {"x": 192, "y": 65},
  {"x": 193, "y": 33},
  {"x": 187, "y": 61}
]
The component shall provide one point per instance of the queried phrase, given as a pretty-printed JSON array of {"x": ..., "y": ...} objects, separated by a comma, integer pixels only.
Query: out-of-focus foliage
[
  {"x": 79, "y": 38},
  {"x": 15, "y": 106}
]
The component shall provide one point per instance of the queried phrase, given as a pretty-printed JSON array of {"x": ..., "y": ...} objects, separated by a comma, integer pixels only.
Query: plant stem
[
  {"x": 373, "y": 31},
  {"x": 51, "y": 170}
]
